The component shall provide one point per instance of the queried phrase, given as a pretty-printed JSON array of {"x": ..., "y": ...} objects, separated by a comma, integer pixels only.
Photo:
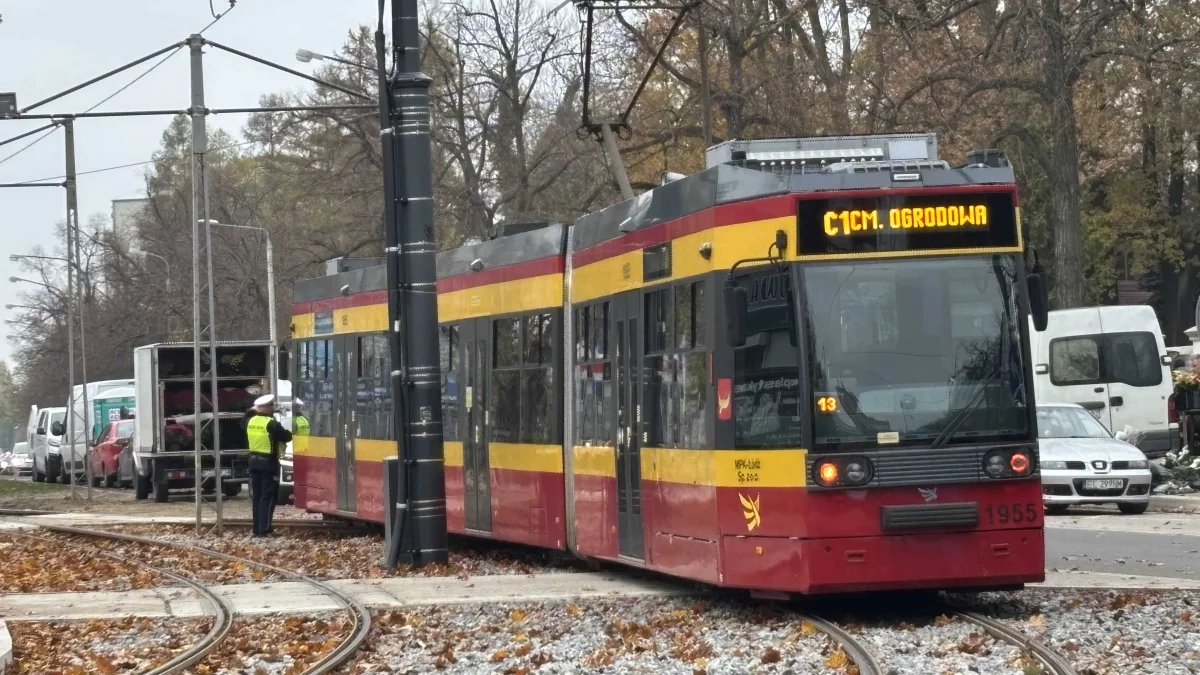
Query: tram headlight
[
  {"x": 1011, "y": 463},
  {"x": 842, "y": 471},
  {"x": 1019, "y": 463},
  {"x": 994, "y": 465},
  {"x": 856, "y": 473},
  {"x": 827, "y": 474}
]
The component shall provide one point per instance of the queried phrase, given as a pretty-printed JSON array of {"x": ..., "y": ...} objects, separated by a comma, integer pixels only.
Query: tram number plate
[
  {"x": 1110, "y": 484},
  {"x": 1011, "y": 513},
  {"x": 212, "y": 473}
]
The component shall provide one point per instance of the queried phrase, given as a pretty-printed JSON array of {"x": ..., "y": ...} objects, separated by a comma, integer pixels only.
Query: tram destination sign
[{"x": 907, "y": 222}]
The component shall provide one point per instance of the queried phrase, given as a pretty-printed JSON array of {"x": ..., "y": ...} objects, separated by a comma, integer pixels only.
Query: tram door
[
  {"x": 476, "y": 341},
  {"x": 345, "y": 389},
  {"x": 626, "y": 329}
]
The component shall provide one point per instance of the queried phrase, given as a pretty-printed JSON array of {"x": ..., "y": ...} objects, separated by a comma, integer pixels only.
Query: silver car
[{"x": 1082, "y": 463}]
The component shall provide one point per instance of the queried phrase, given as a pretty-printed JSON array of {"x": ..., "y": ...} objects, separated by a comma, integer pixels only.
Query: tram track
[
  {"x": 866, "y": 662},
  {"x": 360, "y": 617},
  {"x": 1055, "y": 662},
  {"x": 858, "y": 653},
  {"x": 221, "y": 615}
]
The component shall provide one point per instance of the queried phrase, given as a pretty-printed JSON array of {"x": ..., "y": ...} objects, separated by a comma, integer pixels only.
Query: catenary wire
[{"x": 39, "y": 139}]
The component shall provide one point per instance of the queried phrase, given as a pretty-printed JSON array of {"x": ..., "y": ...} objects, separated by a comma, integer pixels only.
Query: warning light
[
  {"x": 827, "y": 404},
  {"x": 1019, "y": 462},
  {"x": 828, "y": 473}
]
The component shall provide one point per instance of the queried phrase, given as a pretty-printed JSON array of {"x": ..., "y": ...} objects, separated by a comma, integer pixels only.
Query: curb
[
  {"x": 1174, "y": 504},
  {"x": 6, "y": 656}
]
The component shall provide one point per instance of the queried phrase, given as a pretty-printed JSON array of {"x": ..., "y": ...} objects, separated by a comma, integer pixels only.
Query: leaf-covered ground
[
  {"x": 198, "y": 565},
  {"x": 660, "y": 635},
  {"x": 104, "y": 647},
  {"x": 355, "y": 555},
  {"x": 274, "y": 645},
  {"x": 32, "y": 566}
]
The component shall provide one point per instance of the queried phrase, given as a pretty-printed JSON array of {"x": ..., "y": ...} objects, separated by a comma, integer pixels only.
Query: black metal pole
[{"x": 417, "y": 508}]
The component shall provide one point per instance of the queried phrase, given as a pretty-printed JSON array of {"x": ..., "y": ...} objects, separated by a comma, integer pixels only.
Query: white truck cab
[
  {"x": 1111, "y": 360},
  {"x": 45, "y": 440}
]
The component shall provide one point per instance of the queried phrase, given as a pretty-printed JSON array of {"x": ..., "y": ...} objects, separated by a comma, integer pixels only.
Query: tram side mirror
[
  {"x": 1037, "y": 302},
  {"x": 737, "y": 303},
  {"x": 284, "y": 362}
]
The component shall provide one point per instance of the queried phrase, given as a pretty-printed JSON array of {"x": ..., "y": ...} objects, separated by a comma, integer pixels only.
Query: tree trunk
[{"x": 1064, "y": 203}]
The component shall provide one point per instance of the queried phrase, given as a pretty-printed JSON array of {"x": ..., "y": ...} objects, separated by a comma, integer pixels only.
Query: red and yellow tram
[{"x": 804, "y": 369}]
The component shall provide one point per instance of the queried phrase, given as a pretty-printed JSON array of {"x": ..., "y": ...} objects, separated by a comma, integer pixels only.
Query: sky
[{"x": 47, "y": 46}]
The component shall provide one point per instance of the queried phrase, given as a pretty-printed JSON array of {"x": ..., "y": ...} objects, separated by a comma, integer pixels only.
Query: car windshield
[
  {"x": 1062, "y": 422},
  {"x": 125, "y": 429},
  {"x": 21, "y": 449},
  {"x": 908, "y": 352},
  {"x": 56, "y": 417}
]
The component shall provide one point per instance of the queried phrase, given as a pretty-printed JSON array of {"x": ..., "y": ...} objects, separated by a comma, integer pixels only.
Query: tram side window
[
  {"x": 448, "y": 359},
  {"x": 676, "y": 368},
  {"x": 321, "y": 393},
  {"x": 373, "y": 393},
  {"x": 522, "y": 396},
  {"x": 592, "y": 378}
]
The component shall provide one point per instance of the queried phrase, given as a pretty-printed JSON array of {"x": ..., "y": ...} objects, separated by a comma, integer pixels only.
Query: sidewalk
[
  {"x": 299, "y": 597},
  {"x": 384, "y": 594},
  {"x": 1176, "y": 503}
]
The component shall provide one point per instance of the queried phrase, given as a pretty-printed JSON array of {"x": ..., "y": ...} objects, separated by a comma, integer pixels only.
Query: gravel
[
  {"x": 274, "y": 645},
  {"x": 97, "y": 646},
  {"x": 943, "y": 644},
  {"x": 1109, "y": 632},
  {"x": 674, "y": 635}
]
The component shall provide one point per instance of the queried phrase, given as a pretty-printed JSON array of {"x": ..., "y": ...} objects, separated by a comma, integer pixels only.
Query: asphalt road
[{"x": 1157, "y": 545}]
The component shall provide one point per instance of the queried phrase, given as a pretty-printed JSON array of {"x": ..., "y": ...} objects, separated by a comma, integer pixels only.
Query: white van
[
  {"x": 103, "y": 399},
  {"x": 1113, "y": 361},
  {"x": 45, "y": 440}
]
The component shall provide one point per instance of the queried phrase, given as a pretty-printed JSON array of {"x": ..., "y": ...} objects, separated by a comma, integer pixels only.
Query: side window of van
[
  {"x": 1132, "y": 358},
  {"x": 1075, "y": 360}
]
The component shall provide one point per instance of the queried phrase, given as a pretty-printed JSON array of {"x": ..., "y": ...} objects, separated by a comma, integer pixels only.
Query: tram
[{"x": 804, "y": 369}]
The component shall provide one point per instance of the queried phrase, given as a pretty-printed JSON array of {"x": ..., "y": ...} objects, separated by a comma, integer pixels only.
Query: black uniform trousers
[{"x": 264, "y": 471}]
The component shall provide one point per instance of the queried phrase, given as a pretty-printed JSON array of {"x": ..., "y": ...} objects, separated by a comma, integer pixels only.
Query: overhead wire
[
  {"x": 133, "y": 164},
  {"x": 39, "y": 139}
]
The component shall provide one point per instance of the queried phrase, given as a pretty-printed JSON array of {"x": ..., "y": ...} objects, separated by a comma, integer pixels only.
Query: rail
[
  {"x": 334, "y": 659},
  {"x": 222, "y": 613},
  {"x": 1054, "y": 661},
  {"x": 859, "y": 654}
]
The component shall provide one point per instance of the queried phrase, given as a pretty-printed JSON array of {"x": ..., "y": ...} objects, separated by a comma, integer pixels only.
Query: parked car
[
  {"x": 46, "y": 442},
  {"x": 18, "y": 461},
  {"x": 105, "y": 455},
  {"x": 1113, "y": 361},
  {"x": 1082, "y": 463}
]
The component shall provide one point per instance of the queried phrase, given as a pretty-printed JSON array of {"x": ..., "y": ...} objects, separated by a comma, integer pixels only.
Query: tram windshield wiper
[{"x": 965, "y": 412}]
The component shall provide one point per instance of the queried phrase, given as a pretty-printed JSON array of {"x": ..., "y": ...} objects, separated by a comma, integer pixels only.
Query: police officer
[{"x": 267, "y": 438}]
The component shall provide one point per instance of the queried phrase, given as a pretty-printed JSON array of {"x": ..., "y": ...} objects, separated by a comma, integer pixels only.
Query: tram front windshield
[{"x": 914, "y": 352}]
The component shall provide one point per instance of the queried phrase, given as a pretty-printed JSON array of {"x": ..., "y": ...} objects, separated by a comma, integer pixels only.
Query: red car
[{"x": 105, "y": 454}]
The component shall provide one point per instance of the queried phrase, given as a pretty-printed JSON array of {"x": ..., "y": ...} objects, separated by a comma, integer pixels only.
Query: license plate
[
  {"x": 1111, "y": 484},
  {"x": 212, "y": 473}
]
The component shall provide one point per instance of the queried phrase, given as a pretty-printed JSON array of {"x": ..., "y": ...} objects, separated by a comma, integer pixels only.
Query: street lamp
[
  {"x": 305, "y": 56},
  {"x": 274, "y": 374},
  {"x": 167, "y": 263}
]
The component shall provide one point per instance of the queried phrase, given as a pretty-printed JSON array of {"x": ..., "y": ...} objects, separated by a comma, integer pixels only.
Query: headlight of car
[
  {"x": 1139, "y": 464},
  {"x": 1051, "y": 465}
]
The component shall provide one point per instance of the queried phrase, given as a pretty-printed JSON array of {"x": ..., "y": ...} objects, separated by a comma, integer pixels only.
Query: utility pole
[
  {"x": 73, "y": 258},
  {"x": 69, "y": 129},
  {"x": 203, "y": 311},
  {"x": 416, "y": 486}
]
